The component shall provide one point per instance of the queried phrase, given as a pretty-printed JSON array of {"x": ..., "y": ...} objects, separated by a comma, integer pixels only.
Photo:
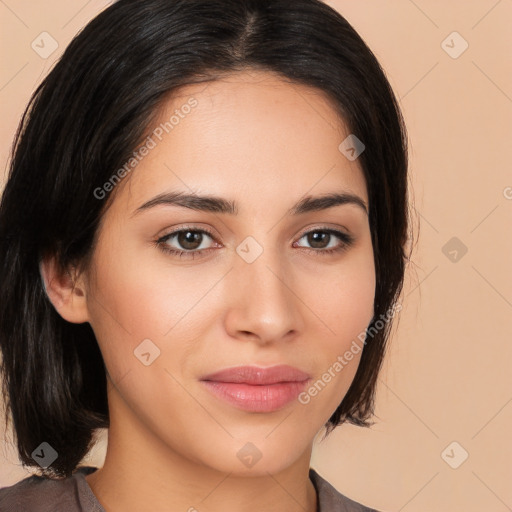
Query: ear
[{"x": 66, "y": 290}]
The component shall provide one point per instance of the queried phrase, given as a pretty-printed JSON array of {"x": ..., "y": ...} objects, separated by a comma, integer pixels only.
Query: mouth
[{"x": 255, "y": 389}]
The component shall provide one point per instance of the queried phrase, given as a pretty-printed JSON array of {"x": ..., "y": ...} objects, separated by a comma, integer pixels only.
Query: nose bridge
[
  {"x": 264, "y": 303},
  {"x": 262, "y": 270}
]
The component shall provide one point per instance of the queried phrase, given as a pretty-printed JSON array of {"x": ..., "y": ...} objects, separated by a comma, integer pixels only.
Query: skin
[{"x": 264, "y": 143}]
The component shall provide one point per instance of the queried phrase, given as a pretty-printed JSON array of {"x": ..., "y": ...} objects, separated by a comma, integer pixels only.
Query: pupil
[
  {"x": 188, "y": 239},
  {"x": 317, "y": 237}
]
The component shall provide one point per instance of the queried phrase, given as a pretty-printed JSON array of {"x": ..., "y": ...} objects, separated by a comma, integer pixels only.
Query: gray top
[{"x": 73, "y": 494}]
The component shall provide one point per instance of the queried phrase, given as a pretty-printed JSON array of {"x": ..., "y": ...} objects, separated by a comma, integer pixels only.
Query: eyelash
[{"x": 346, "y": 242}]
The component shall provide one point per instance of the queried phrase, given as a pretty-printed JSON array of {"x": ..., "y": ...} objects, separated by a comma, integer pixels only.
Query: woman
[{"x": 202, "y": 247}]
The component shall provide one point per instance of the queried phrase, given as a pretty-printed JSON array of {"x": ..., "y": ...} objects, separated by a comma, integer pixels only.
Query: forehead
[{"x": 248, "y": 134}]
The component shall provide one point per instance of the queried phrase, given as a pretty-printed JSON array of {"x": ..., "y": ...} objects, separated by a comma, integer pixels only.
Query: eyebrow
[{"x": 210, "y": 203}]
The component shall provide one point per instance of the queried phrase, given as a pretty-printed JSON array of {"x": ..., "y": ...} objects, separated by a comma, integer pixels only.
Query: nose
[{"x": 263, "y": 305}]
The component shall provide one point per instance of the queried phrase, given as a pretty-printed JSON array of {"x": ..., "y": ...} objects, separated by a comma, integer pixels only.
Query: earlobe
[{"x": 65, "y": 290}]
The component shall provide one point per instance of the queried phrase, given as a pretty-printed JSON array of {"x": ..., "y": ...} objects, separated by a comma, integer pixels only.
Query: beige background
[{"x": 446, "y": 377}]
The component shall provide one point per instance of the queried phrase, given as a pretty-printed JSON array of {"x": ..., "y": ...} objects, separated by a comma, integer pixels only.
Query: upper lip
[{"x": 258, "y": 376}]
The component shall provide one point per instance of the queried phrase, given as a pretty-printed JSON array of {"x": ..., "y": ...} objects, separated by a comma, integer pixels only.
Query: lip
[
  {"x": 256, "y": 375},
  {"x": 257, "y": 389}
]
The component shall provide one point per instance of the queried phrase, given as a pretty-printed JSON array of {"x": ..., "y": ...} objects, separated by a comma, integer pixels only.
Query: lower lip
[{"x": 256, "y": 398}]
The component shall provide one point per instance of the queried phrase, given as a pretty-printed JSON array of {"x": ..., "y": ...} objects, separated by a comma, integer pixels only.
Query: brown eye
[
  {"x": 185, "y": 242},
  {"x": 320, "y": 241},
  {"x": 190, "y": 240}
]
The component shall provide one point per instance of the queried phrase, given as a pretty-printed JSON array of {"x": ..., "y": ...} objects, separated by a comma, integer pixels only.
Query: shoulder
[
  {"x": 39, "y": 494},
  {"x": 331, "y": 500}
]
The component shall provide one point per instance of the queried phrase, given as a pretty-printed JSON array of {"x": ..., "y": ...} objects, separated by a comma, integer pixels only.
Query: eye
[
  {"x": 320, "y": 240},
  {"x": 189, "y": 241}
]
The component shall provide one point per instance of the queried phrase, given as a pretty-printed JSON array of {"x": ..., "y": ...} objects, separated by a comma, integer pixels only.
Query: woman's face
[{"x": 254, "y": 287}]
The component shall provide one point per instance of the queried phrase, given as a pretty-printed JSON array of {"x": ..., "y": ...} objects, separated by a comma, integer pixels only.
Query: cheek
[
  {"x": 142, "y": 296},
  {"x": 345, "y": 307},
  {"x": 142, "y": 304},
  {"x": 346, "y": 299}
]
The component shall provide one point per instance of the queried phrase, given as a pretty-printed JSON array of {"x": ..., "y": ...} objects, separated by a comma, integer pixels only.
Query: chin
[{"x": 254, "y": 459}]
